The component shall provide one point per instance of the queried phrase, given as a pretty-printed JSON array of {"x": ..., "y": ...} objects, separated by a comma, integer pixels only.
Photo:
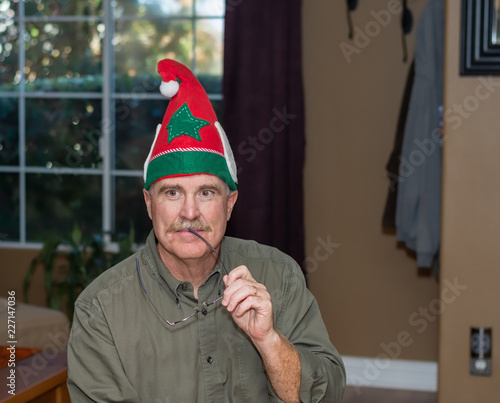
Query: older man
[{"x": 196, "y": 316}]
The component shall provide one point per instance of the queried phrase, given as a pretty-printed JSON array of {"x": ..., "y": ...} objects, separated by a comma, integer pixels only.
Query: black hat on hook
[
  {"x": 351, "y": 6},
  {"x": 406, "y": 26}
]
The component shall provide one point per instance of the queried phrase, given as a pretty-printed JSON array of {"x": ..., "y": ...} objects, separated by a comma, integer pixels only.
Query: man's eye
[
  {"x": 207, "y": 193},
  {"x": 172, "y": 192}
]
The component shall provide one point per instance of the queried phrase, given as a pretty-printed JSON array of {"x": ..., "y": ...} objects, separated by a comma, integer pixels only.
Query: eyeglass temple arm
[{"x": 203, "y": 239}]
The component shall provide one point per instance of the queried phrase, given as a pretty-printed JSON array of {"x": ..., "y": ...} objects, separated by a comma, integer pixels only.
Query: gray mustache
[{"x": 194, "y": 225}]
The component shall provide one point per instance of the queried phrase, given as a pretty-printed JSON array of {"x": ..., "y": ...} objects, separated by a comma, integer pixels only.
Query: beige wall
[
  {"x": 471, "y": 225},
  {"x": 14, "y": 265},
  {"x": 368, "y": 288}
]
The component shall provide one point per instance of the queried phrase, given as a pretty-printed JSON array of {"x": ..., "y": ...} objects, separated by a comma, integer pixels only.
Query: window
[{"x": 79, "y": 105}]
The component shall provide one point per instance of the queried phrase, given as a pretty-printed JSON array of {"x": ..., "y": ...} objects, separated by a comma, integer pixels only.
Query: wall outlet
[{"x": 480, "y": 351}]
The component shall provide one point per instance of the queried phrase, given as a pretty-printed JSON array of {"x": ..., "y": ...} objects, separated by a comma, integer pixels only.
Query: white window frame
[{"x": 108, "y": 98}]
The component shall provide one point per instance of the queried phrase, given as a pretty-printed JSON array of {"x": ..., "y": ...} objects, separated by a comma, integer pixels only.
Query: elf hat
[{"x": 190, "y": 140}]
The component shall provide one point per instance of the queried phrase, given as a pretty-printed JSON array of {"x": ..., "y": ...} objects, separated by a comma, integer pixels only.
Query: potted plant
[{"x": 71, "y": 265}]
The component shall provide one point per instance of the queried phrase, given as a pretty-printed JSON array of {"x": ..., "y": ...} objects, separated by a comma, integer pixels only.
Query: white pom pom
[{"x": 169, "y": 89}]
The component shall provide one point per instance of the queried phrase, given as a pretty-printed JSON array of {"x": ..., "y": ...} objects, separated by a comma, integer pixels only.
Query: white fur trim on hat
[
  {"x": 146, "y": 163},
  {"x": 169, "y": 88},
  {"x": 231, "y": 163}
]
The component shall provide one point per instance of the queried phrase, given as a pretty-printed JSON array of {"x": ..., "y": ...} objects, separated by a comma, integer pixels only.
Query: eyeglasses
[{"x": 197, "y": 308}]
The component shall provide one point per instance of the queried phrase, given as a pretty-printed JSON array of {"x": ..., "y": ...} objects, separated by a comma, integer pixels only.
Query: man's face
[{"x": 200, "y": 202}]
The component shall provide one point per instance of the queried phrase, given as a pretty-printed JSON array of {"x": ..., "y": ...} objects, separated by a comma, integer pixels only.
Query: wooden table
[{"x": 40, "y": 378}]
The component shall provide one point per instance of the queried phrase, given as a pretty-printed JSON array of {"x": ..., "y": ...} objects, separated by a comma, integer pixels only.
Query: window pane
[
  {"x": 129, "y": 205},
  {"x": 9, "y": 132},
  {"x": 48, "y": 8},
  {"x": 9, "y": 55},
  {"x": 153, "y": 8},
  {"x": 210, "y": 8},
  {"x": 9, "y": 207},
  {"x": 140, "y": 45},
  {"x": 136, "y": 123},
  {"x": 63, "y": 133},
  {"x": 63, "y": 56},
  {"x": 55, "y": 202},
  {"x": 209, "y": 51}
]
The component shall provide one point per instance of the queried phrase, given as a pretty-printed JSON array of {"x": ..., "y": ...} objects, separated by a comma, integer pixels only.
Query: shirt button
[
  {"x": 204, "y": 311},
  {"x": 184, "y": 286},
  {"x": 210, "y": 360}
]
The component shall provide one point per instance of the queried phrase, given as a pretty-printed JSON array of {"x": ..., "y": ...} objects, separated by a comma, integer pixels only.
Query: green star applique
[{"x": 183, "y": 122}]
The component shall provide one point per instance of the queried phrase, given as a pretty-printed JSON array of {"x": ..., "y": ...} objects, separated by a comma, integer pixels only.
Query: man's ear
[
  {"x": 231, "y": 201},
  {"x": 147, "y": 200}
]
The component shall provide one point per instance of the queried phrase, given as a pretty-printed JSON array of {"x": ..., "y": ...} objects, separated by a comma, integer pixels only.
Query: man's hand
[{"x": 250, "y": 304}]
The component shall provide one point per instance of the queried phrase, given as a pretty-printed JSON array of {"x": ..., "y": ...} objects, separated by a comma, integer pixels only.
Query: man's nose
[{"x": 190, "y": 209}]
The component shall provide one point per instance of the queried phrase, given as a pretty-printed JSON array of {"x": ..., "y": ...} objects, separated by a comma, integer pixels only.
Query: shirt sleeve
[
  {"x": 323, "y": 375},
  {"x": 95, "y": 373}
]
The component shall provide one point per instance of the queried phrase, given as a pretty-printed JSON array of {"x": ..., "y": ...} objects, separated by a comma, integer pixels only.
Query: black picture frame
[{"x": 479, "y": 55}]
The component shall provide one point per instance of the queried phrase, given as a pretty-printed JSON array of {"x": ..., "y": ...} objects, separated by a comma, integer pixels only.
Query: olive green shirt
[{"x": 121, "y": 350}]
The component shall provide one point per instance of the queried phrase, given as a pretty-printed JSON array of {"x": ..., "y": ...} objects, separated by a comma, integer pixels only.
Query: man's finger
[
  {"x": 239, "y": 293},
  {"x": 237, "y": 273}
]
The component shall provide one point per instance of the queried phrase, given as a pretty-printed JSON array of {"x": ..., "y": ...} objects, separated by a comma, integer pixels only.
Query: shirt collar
[{"x": 163, "y": 275}]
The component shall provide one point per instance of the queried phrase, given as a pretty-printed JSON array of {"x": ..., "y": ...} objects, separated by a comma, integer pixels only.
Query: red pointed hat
[{"x": 190, "y": 140}]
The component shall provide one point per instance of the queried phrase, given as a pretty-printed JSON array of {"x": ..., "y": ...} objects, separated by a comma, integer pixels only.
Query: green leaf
[
  {"x": 29, "y": 277},
  {"x": 76, "y": 236},
  {"x": 48, "y": 256}
]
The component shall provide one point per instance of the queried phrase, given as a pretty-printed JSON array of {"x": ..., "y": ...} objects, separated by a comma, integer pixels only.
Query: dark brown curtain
[{"x": 263, "y": 115}]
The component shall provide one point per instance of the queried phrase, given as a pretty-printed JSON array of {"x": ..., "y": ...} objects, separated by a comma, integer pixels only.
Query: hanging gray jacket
[{"x": 418, "y": 210}]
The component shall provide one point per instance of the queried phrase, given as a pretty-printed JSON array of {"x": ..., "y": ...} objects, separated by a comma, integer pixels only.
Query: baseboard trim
[{"x": 391, "y": 374}]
